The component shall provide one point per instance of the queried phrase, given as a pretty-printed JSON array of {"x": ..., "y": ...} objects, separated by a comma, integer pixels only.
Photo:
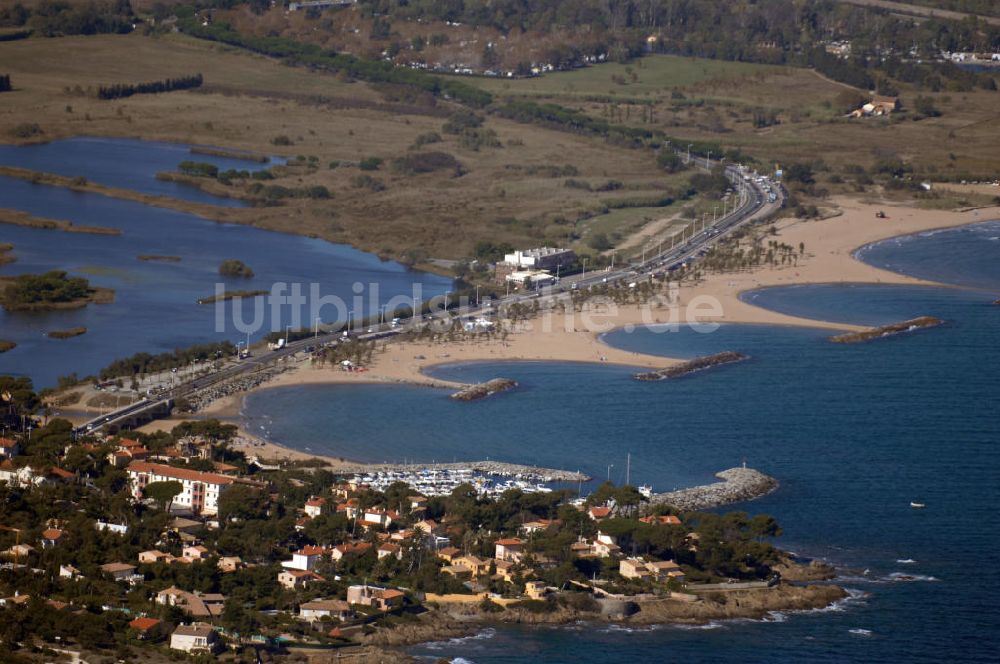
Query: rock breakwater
[
  {"x": 737, "y": 485},
  {"x": 483, "y": 390},
  {"x": 887, "y": 330},
  {"x": 691, "y": 366},
  {"x": 242, "y": 383}
]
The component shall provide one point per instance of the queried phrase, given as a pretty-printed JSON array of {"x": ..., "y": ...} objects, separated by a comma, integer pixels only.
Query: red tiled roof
[
  {"x": 143, "y": 624},
  {"x": 510, "y": 541},
  {"x": 600, "y": 511},
  {"x": 52, "y": 534},
  {"x": 178, "y": 473},
  {"x": 311, "y": 551}
]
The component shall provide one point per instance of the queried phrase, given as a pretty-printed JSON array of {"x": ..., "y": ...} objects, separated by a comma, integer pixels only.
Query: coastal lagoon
[
  {"x": 125, "y": 163},
  {"x": 852, "y": 432},
  {"x": 155, "y": 307}
]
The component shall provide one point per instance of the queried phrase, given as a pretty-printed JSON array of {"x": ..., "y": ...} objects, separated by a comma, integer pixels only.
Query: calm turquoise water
[
  {"x": 155, "y": 308},
  {"x": 124, "y": 163},
  {"x": 854, "y": 433}
]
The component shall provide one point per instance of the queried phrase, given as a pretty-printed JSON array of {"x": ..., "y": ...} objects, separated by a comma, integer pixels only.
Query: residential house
[
  {"x": 604, "y": 546},
  {"x": 121, "y": 572},
  {"x": 666, "y": 570},
  {"x": 383, "y": 599},
  {"x": 376, "y": 516},
  {"x": 19, "y": 551},
  {"x": 449, "y": 553},
  {"x": 296, "y": 579},
  {"x": 315, "y": 507},
  {"x": 51, "y": 537},
  {"x": 511, "y": 549},
  {"x": 9, "y": 448},
  {"x": 662, "y": 520},
  {"x": 193, "y": 553},
  {"x": 350, "y": 548},
  {"x": 200, "y": 491},
  {"x": 229, "y": 564},
  {"x": 154, "y": 556},
  {"x": 460, "y": 572},
  {"x": 536, "y": 526},
  {"x": 195, "y": 638},
  {"x": 427, "y": 526},
  {"x": 390, "y": 549},
  {"x": 306, "y": 558},
  {"x": 147, "y": 628},
  {"x": 633, "y": 568},
  {"x": 325, "y": 608},
  {"x": 196, "y": 604},
  {"x": 68, "y": 572},
  {"x": 599, "y": 512},
  {"x": 535, "y": 589},
  {"x": 476, "y": 565}
]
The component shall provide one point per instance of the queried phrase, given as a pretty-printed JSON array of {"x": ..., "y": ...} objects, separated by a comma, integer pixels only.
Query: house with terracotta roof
[
  {"x": 315, "y": 507},
  {"x": 510, "y": 548},
  {"x": 662, "y": 520},
  {"x": 599, "y": 512},
  {"x": 296, "y": 579},
  {"x": 383, "y": 599},
  {"x": 349, "y": 549},
  {"x": 51, "y": 537},
  {"x": 536, "y": 526},
  {"x": 147, "y": 628},
  {"x": 390, "y": 549},
  {"x": 376, "y": 516},
  {"x": 306, "y": 558},
  {"x": 200, "y": 491},
  {"x": 460, "y": 572}
]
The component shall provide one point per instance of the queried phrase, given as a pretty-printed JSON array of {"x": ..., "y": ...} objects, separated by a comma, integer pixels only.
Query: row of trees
[
  {"x": 143, "y": 363},
  {"x": 122, "y": 90}
]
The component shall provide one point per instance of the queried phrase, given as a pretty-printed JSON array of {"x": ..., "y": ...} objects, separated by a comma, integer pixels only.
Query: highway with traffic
[{"x": 758, "y": 198}]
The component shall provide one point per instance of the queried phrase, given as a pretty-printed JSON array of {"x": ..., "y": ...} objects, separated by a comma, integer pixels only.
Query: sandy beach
[{"x": 575, "y": 337}]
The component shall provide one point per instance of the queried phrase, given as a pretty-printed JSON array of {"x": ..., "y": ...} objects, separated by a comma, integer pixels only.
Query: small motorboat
[{"x": 918, "y": 506}]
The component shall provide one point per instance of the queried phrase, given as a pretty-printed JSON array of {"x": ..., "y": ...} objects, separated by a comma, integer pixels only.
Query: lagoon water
[
  {"x": 124, "y": 163},
  {"x": 155, "y": 308},
  {"x": 854, "y": 433}
]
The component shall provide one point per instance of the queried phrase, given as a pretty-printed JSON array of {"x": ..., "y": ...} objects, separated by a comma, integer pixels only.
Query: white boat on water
[{"x": 917, "y": 505}]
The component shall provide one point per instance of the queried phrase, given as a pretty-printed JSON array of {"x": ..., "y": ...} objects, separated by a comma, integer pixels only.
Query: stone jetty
[
  {"x": 500, "y": 468},
  {"x": 737, "y": 485},
  {"x": 887, "y": 330},
  {"x": 483, "y": 390},
  {"x": 697, "y": 364}
]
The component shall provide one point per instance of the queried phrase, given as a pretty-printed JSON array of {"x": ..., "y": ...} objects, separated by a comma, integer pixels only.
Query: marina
[{"x": 443, "y": 481}]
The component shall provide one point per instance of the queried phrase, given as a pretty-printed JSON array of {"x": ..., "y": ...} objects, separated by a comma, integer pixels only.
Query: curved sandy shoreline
[{"x": 830, "y": 248}]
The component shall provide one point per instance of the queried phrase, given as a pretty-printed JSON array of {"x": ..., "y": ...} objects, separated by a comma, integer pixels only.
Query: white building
[
  {"x": 200, "y": 492},
  {"x": 199, "y": 637},
  {"x": 305, "y": 558},
  {"x": 542, "y": 258},
  {"x": 532, "y": 279},
  {"x": 325, "y": 608}
]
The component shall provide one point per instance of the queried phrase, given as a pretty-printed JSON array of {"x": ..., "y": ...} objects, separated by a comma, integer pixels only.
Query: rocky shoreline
[
  {"x": 457, "y": 620},
  {"x": 242, "y": 383},
  {"x": 737, "y": 485},
  {"x": 483, "y": 390},
  {"x": 919, "y": 323},
  {"x": 691, "y": 366}
]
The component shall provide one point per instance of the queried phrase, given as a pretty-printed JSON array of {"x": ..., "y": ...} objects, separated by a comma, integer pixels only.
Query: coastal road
[{"x": 758, "y": 199}]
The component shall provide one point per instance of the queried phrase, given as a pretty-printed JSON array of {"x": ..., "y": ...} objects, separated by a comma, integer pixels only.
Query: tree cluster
[{"x": 122, "y": 90}]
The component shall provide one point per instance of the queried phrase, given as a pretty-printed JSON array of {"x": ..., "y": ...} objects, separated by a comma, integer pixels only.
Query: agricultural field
[
  {"x": 510, "y": 188},
  {"x": 776, "y": 114}
]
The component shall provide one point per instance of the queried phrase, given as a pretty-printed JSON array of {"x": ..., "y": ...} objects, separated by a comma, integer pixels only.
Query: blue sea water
[
  {"x": 155, "y": 306},
  {"x": 854, "y": 433}
]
